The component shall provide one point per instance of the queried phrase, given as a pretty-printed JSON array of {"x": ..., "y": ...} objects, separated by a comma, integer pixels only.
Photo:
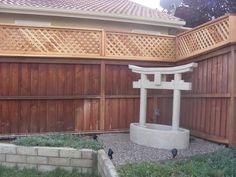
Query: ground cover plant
[
  {"x": 14, "y": 172},
  {"x": 218, "y": 164},
  {"x": 60, "y": 140}
]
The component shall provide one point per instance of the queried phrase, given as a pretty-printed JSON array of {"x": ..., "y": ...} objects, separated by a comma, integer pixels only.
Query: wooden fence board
[{"x": 234, "y": 139}]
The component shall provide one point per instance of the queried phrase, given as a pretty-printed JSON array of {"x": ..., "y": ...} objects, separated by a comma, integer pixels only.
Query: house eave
[{"x": 89, "y": 15}]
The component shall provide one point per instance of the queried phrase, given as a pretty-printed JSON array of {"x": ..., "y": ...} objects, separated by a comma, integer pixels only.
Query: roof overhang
[{"x": 89, "y": 15}]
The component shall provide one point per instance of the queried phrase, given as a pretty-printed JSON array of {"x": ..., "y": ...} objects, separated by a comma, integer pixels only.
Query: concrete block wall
[
  {"x": 105, "y": 166},
  {"x": 48, "y": 158}
]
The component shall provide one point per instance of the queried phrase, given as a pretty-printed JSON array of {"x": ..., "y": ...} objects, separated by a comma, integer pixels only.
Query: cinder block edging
[
  {"x": 48, "y": 158},
  {"x": 105, "y": 166}
]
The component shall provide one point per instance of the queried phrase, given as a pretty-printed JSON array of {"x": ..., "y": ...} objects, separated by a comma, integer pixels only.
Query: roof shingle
[{"x": 115, "y": 7}]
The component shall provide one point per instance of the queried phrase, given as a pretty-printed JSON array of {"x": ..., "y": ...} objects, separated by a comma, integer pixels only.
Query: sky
[{"x": 150, "y": 3}]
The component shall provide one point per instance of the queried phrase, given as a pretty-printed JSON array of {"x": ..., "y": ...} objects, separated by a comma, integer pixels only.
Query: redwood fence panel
[
  {"x": 52, "y": 95},
  {"x": 56, "y": 95},
  {"x": 207, "y": 109},
  {"x": 48, "y": 97},
  {"x": 209, "y": 98}
]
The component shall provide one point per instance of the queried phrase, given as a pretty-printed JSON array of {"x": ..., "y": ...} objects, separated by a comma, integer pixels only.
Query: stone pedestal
[{"x": 159, "y": 136}]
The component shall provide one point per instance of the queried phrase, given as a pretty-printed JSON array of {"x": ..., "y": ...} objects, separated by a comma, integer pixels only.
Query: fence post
[
  {"x": 232, "y": 28},
  {"x": 230, "y": 126},
  {"x": 102, "y": 96},
  {"x": 103, "y": 41}
]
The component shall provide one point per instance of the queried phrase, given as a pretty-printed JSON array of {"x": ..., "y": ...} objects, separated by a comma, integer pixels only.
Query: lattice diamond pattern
[
  {"x": 50, "y": 41},
  {"x": 82, "y": 42},
  {"x": 203, "y": 38},
  {"x": 139, "y": 45}
]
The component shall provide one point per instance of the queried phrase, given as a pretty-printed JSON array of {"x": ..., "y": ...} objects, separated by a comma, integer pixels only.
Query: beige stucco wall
[{"x": 83, "y": 23}]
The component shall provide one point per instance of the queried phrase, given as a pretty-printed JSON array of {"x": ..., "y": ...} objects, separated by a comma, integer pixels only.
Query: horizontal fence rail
[{"x": 97, "y": 43}]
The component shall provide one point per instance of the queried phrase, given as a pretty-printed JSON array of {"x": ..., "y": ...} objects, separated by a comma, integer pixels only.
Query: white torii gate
[{"x": 160, "y": 82}]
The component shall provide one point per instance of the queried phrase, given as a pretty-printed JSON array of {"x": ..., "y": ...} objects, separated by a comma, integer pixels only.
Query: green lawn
[
  {"x": 219, "y": 164},
  {"x": 60, "y": 140},
  {"x": 14, "y": 172}
]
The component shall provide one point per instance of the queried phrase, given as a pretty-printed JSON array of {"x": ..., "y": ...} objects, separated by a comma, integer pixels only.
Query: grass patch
[
  {"x": 14, "y": 172},
  {"x": 218, "y": 164},
  {"x": 61, "y": 140}
]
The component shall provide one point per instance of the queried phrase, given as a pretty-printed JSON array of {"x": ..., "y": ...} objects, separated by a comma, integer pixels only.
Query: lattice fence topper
[
  {"x": 34, "y": 40},
  {"x": 97, "y": 43},
  {"x": 203, "y": 38},
  {"x": 140, "y": 45}
]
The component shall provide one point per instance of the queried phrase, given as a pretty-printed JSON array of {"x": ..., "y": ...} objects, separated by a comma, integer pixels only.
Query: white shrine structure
[{"x": 156, "y": 135}]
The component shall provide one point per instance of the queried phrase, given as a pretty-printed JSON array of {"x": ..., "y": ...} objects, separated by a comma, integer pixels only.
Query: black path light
[
  {"x": 95, "y": 137},
  {"x": 110, "y": 153},
  {"x": 174, "y": 152}
]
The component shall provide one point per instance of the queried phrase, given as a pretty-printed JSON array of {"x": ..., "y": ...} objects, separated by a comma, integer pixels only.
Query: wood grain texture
[{"x": 49, "y": 79}]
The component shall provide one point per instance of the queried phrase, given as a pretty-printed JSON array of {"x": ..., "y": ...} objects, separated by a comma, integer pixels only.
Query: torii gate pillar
[
  {"x": 143, "y": 103},
  {"x": 176, "y": 105}
]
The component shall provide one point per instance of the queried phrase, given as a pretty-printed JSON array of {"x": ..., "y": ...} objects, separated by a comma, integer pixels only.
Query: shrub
[
  {"x": 14, "y": 172},
  {"x": 219, "y": 164},
  {"x": 61, "y": 140}
]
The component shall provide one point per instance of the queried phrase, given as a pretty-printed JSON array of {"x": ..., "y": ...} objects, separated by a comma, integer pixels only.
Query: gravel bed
[{"x": 127, "y": 152}]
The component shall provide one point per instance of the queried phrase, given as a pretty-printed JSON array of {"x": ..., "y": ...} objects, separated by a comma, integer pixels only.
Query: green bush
[
  {"x": 14, "y": 172},
  {"x": 61, "y": 140},
  {"x": 219, "y": 164}
]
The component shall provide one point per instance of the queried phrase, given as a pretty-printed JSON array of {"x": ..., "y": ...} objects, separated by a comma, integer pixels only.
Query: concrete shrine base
[{"x": 159, "y": 136}]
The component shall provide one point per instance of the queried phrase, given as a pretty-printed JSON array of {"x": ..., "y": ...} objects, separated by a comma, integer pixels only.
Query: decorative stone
[{"x": 154, "y": 135}]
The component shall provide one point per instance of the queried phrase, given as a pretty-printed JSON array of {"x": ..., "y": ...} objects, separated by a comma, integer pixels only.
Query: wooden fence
[
  {"x": 206, "y": 109},
  {"x": 60, "y": 79},
  {"x": 206, "y": 37},
  {"x": 214, "y": 82},
  {"x": 55, "y": 95}
]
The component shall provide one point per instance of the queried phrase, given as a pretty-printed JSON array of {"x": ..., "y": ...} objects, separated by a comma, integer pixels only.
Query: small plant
[
  {"x": 218, "y": 164},
  {"x": 14, "y": 172},
  {"x": 61, "y": 140}
]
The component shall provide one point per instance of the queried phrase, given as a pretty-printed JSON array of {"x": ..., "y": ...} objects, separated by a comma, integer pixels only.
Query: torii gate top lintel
[{"x": 164, "y": 70}]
